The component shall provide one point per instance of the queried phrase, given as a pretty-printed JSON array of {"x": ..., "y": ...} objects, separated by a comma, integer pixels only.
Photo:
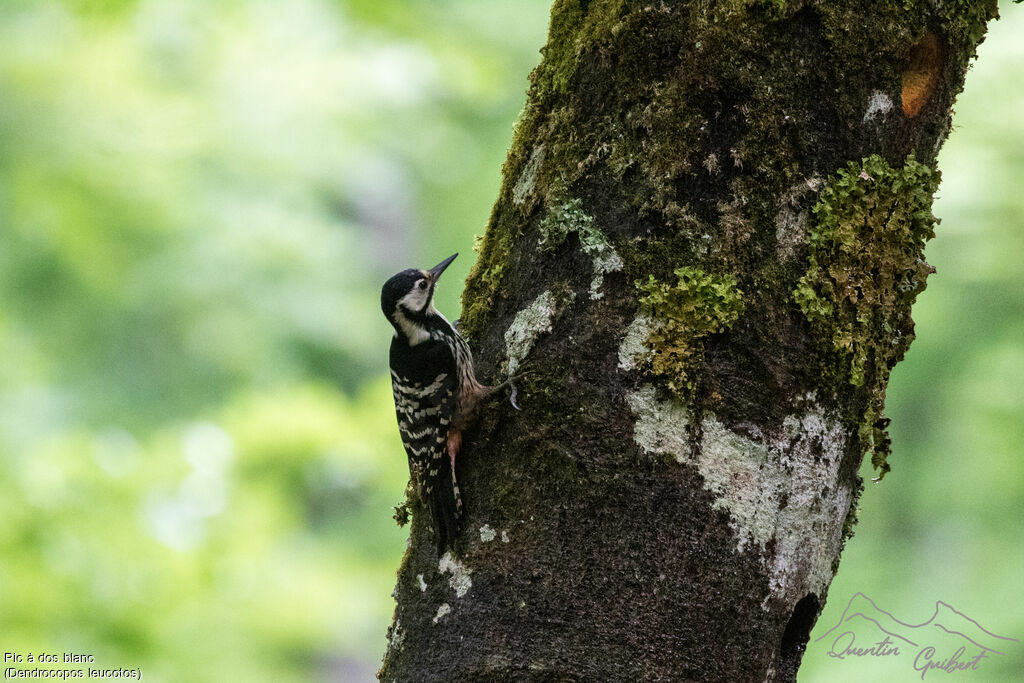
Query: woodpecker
[{"x": 436, "y": 392}]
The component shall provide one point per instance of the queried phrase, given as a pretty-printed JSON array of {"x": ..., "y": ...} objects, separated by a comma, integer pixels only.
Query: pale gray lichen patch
[
  {"x": 734, "y": 469},
  {"x": 561, "y": 221},
  {"x": 487, "y": 534},
  {"x": 661, "y": 426},
  {"x": 423, "y": 584},
  {"x": 442, "y": 611},
  {"x": 633, "y": 349},
  {"x": 504, "y": 537},
  {"x": 809, "y": 527},
  {"x": 604, "y": 258},
  {"x": 569, "y": 217},
  {"x": 782, "y": 488},
  {"x": 459, "y": 580},
  {"x": 397, "y": 636},
  {"x": 878, "y": 105},
  {"x": 529, "y": 324},
  {"x": 528, "y": 178},
  {"x": 793, "y": 221}
]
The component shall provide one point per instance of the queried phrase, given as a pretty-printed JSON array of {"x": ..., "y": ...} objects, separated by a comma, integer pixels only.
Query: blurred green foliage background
[{"x": 198, "y": 204}]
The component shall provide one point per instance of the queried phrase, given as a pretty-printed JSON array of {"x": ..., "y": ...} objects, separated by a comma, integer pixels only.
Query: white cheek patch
[
  {"x": 415, "y": 300},
  {"x": 412, "y": 331}
]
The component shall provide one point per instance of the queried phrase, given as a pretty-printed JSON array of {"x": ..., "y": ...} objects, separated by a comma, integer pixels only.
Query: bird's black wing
[{"x": 425, "y": 398}]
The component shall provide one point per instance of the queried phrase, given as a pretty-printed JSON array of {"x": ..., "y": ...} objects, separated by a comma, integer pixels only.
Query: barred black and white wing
[{"x": 425, "y": 406}]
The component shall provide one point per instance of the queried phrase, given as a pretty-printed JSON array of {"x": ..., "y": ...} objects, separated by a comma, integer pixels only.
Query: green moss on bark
[
  {"x": 697, "y": 305},
  {"x": 866, "y": 268},
  {"x": 867, "y": 260},
  {"x": 683, "y": 131},
  {"x": 963, "y": 20},
  {"x": 563, "y": 219},
  {"x": 576, "y": 27},
  {"x": 724, "y": 116},
  {"x": 568, "y": 217},
  {"x": 485, "y": 277}
]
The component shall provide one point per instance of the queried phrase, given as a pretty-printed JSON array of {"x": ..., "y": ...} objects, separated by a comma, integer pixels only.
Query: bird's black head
[{"x": 409, "y": 295}]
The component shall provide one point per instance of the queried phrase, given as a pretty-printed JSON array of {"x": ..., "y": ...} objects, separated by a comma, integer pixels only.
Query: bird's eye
[{"x": 422, "y": 284}]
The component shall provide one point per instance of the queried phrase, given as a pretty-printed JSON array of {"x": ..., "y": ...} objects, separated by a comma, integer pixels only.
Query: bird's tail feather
[{"x": 446, "y": 510}]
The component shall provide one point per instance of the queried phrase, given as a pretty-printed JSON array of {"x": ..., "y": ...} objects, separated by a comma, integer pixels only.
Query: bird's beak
[{"x": 436, "y": 271}]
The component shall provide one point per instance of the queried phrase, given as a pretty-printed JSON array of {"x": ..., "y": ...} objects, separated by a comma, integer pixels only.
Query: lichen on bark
[
  {"x": 866, "y": 268},
  {"x": 670, "y": 126},
  {"x": 566, "y": 218},
  {"x": 753, "y": 165},
  {"x": 682, "y": 314},
  {"x": 771, "y": 487}
]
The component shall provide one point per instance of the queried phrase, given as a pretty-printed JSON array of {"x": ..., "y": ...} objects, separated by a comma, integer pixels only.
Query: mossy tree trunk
[{"x": 707, "y": 242}]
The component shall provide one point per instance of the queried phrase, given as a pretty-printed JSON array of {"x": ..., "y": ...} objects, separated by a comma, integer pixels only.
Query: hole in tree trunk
[{"x": 798, "y": 630}]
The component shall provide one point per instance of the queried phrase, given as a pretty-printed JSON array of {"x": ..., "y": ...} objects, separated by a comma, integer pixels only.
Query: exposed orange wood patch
[{"x": 922, "y": 75}]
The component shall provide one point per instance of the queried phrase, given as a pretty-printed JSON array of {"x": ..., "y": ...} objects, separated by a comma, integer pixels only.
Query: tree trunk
[{"x": 707, "y": 242}]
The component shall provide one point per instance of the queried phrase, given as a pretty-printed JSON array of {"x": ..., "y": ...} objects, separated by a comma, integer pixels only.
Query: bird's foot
[{"x": 523, "y": 371}]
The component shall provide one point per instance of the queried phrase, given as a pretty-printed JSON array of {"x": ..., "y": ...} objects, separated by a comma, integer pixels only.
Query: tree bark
[{"x": 707, "y": 242}]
